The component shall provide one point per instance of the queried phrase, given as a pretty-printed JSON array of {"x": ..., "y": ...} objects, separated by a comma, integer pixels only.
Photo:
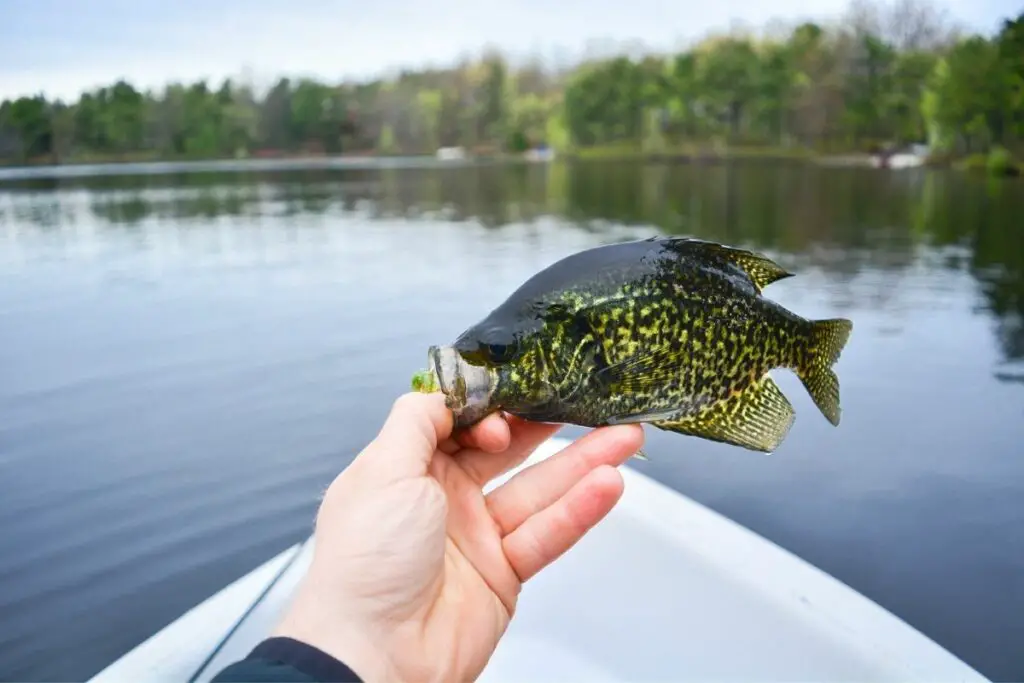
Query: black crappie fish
[{"x": 668, "y": 331}]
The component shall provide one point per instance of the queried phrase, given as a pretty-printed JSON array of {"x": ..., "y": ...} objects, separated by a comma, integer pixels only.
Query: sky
[{"x": 62, "y": 47}]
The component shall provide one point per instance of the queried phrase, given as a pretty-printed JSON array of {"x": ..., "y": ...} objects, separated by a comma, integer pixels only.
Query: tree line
[{"x": 881, "y": 77}]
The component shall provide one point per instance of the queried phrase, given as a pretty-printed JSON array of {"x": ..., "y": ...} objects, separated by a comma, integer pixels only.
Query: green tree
[
  {"x": 1010, "y": 42},
  {"x": 885, "y": 73},
  {"x": 604, "y": 103},
  {"x": 29, "y": 119},
  {"x": 728, "y": 72},
  {"x": 968, "y": 95}
]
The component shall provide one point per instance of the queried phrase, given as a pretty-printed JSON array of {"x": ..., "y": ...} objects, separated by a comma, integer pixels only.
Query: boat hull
[{"x": 663, "y": 588}]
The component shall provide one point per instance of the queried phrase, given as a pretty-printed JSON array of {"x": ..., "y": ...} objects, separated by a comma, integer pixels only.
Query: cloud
[{"x": 60, "y": 47}]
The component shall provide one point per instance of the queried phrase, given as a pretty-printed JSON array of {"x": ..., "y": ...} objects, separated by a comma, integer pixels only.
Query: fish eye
[{"x": 500, "y": 353}]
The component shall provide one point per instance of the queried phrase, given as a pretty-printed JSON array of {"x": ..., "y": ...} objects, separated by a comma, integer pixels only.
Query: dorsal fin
[{"x": 761, "y": 270}]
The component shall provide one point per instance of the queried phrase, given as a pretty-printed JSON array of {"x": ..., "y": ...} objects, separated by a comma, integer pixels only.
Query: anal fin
[{"x": 757, "y": 418}]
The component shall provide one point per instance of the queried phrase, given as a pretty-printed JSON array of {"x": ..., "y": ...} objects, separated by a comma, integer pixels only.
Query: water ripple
[{"x": 186, "y": 361}]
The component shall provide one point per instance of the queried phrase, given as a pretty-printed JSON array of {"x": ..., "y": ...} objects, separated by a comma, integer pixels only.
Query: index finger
[
  {"x": 490, "y": 435},
  {"x": 525, "y": 437},
  {"x": 540, "y": 485}
]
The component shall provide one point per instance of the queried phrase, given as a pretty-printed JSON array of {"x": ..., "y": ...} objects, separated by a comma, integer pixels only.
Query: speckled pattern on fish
[{"x": 668, "y": 331}]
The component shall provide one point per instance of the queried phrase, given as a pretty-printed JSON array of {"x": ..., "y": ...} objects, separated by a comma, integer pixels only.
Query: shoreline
[{"x": 693, "y": 153}]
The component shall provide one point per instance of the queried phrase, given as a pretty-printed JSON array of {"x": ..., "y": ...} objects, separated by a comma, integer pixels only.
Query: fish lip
[{"x": 467, "y": 388}]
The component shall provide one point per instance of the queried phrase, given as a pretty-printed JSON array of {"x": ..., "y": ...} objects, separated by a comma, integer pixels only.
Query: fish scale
[{"x": 668, "y": 331}]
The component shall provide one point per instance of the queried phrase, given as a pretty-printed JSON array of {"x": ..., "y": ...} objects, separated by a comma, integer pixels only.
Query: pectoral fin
[
  {"x": 642, "y": 372},
  {"x": 757, "y": 418}
]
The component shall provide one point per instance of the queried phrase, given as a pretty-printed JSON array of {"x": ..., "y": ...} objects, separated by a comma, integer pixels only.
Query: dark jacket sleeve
[{"x": 285, "y": 660}]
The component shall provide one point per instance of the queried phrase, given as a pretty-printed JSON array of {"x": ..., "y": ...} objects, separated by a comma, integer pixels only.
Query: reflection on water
[
  {"x": 844, "y": 221},
  {"x": 186, "y": 359}
]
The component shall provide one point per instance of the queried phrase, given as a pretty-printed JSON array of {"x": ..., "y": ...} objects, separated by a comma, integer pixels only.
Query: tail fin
[{"x": 827, "y": 339}]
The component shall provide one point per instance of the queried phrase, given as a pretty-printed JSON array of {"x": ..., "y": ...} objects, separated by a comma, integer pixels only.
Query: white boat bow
[{"x": 662, "y": 589}]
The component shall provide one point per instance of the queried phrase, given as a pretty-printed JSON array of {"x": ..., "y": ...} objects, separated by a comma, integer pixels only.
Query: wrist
[
  {"x": 359, "y": 651},
  {"x": 305, "y": 658}
]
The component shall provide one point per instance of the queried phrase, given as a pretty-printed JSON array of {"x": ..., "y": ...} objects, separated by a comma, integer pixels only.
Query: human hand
[{"x": 416, "y": 573}]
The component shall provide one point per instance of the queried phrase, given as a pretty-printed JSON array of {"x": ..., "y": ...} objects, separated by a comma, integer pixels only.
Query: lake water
[{"x": 187, "y": 359}]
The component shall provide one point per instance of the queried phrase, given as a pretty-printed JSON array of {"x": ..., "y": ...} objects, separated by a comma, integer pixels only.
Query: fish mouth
[{"x": 467, "y": 388}]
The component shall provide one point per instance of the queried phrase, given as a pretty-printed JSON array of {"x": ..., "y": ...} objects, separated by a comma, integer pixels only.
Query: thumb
[{"x": 409, "y": 437}]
